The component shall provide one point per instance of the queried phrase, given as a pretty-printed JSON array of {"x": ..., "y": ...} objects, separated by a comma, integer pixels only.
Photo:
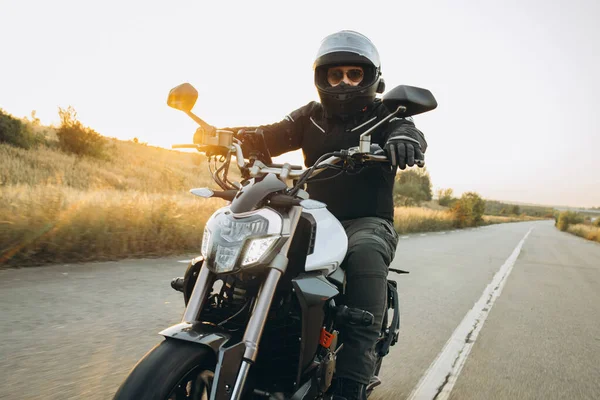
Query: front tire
[{"x": 173, "y": 369}]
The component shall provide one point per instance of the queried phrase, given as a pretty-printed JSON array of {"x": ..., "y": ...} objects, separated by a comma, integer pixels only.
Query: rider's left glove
[{"x": 403, "y": 150}]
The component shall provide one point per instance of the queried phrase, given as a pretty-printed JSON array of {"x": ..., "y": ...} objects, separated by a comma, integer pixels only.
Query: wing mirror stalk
[{"x": 364, "y": 145}]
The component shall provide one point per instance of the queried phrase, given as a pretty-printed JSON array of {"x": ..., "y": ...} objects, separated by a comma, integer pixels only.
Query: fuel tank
[{"x": 329, "y": 240}]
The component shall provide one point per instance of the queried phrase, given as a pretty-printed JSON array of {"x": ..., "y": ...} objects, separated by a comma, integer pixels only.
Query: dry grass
[
  {"x": 424, "y": 219},
  {"x": 59, "y": 208},
  {"x": 497, "y": 219},
  {"x": 434, "y": 205},
  {"x": 131, "y": 167},
  {"x": 59, "y": 224},
  {"x": 588, "y": 232},
  {"x": 418, "y": 219}
]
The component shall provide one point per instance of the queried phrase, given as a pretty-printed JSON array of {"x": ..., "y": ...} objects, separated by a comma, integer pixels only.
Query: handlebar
[
  {"x": 185, "y": 146},
  {"x": 284, "y": 171}
]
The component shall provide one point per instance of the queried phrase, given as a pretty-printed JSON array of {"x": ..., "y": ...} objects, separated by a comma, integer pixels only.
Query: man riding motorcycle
[{"x": 347, "y": 74}]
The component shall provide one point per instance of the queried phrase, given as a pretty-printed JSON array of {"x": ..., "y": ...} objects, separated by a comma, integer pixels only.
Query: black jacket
[{"x": 348, "y": 196}]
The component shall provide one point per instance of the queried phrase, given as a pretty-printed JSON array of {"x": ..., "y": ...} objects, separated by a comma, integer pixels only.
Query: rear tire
[{"x": 174, "y": 369}]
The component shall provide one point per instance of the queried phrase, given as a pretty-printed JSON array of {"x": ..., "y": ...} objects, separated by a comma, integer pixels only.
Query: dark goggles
[{"x": 335, "y": 75}]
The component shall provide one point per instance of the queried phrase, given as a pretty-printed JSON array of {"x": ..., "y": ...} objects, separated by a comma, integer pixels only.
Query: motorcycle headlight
[
  {"x": 257, "y": 248},
  {"x": 229, "y": 243}
]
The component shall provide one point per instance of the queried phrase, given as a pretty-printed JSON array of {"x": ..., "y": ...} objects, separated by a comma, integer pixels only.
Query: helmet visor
[{"x": 335, "y": 75}]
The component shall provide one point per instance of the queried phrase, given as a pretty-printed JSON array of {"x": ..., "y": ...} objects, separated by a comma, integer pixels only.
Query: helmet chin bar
[{"x": 352, "y": 100}]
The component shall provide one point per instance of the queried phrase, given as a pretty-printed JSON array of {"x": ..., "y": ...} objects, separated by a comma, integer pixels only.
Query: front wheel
[{"x": 172, "y": 370}]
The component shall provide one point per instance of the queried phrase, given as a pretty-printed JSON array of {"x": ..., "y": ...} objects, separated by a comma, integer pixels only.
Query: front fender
[
  {"x": 209, "y": 335},
  {"x": 229, "y": 352}
]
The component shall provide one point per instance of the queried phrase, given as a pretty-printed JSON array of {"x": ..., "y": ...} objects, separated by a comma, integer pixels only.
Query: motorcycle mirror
[
  {"x": 202, "y": 192},
  {"x": 183, "y": 97},
  {"x": 416, "y": 100}
]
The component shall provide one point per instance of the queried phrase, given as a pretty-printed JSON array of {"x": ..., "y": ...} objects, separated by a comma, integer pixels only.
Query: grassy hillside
[{"x": 56, "y": 207}]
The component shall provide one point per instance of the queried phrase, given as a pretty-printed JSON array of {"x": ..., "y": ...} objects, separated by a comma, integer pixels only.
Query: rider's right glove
[
  {"x": 403, "y": 150},
  {"x": 201, "y": 133},
  {"x": 247, "y": 141}
]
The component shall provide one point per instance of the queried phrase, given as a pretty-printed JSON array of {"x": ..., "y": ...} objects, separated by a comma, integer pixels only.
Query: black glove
[{"x": 402, "y": 150}]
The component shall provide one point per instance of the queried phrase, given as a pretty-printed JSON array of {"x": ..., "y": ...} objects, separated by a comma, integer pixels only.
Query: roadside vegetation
[
  {"x": 585, "y": 226},
  {"x": 417, "y": 211},
  {"x": 69, "y": 194},
  {"x": 97, "y": 199}
]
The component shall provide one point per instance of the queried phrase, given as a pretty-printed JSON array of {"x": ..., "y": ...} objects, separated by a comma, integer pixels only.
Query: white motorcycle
[{"x": 269, "y": 274}]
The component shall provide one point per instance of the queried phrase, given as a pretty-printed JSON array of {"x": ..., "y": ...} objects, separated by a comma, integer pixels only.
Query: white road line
[
  {"x": 184, "y": 261},
  {"x": 423, "y": 234},
  {"x": 441, "y": 233},
  {"x": 405, "y": 237},
  {"x": 439, "y": 379}
]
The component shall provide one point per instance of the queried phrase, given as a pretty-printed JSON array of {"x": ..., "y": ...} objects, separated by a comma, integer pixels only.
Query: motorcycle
[{"x": 269, "y": 274}]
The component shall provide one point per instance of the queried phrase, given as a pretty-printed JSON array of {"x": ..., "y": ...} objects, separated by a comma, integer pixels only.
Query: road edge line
[{"x": 440, "y": 377}]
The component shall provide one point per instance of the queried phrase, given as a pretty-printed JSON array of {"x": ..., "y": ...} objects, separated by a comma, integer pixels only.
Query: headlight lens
[
  {"x": 257, "y": 248},
  {"x": 226, "y": 258},
  {"x": 229, "y": 243},
  {"x": 235, "y": 231}
]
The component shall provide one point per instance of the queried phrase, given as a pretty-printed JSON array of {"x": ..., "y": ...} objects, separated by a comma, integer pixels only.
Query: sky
[{"x": 517, "y": 82}]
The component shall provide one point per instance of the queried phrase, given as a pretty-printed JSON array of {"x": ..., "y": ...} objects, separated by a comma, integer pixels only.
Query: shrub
[
  {"x": 585, "y": 231},
  {"x": 567, "y": 218},
  {"x": 77, "y": 139},
  {"x": 14, "y": 132},
  {"x": 468, "y": 210},
  {"x": 596, "y": 222}
]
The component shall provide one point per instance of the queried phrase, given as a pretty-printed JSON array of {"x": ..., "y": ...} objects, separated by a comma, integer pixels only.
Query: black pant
[{"x": 371, "y": 248}]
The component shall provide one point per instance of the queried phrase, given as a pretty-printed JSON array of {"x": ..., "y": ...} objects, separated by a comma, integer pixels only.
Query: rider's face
[{"x": 351, "y": 75}]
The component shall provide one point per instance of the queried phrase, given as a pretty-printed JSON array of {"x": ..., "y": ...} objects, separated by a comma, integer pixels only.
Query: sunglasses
[{"x": 336, "y": 75}]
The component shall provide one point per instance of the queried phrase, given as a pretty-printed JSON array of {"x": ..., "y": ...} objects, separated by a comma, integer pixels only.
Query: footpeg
[
  {"x": 354, "y": 316},
  {"x": 177, "y": 284}
]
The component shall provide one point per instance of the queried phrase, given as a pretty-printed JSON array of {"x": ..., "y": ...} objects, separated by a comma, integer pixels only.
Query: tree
[
  {"x": 445, "y": 197},
  {"x": 412, "y": 187},
  {"x": 35, "y": 121},
  {"x": 77, "y": 139},
  {"x": 16, "y": 132},
  {"x": 515, "y": 209}
]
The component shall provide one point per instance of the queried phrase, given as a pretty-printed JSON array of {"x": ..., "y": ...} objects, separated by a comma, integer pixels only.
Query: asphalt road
[{"x": 74, "y": 331}]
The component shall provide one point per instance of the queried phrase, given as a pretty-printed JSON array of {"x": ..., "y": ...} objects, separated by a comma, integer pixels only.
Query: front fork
[{"x": 221, "y": 388}]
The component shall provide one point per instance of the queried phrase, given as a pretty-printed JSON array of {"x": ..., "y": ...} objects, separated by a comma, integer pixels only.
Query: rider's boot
[{"x": 347, "y": 389}]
